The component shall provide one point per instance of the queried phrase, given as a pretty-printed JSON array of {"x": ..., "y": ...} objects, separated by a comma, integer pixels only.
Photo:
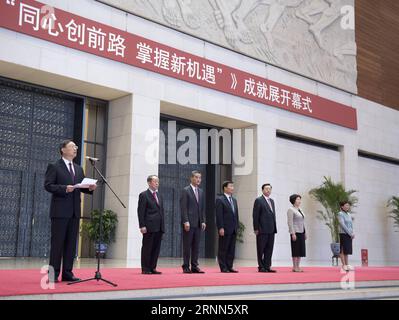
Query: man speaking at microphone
[{"x": 60, "y": 180}]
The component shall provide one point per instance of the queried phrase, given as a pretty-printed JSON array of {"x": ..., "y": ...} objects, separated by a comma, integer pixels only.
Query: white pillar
[
  {"x": 130, "y": 118},
  {"x": 119, "y": 141},
  {"x": 248, "y": 187},
  {"x": 350, "y": 179}
]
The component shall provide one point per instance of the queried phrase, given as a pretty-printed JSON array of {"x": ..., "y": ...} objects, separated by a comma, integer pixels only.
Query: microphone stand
[{"x": 97, "y": 275}]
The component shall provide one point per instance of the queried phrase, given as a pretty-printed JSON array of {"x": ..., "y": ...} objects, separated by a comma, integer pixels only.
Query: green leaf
[
  {"x": 329, "y": 194},
  {"x": 393, "y": 205},
  {"x": 240, "y": 232},
  {"x": 109, "y": 222}
]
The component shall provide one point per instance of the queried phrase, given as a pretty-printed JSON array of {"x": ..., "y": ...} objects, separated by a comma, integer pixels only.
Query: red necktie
[{"x": 155, "y": 197}]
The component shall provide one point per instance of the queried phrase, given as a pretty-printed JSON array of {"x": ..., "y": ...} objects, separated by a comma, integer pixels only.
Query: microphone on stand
[{"x": 92, "y": 159}]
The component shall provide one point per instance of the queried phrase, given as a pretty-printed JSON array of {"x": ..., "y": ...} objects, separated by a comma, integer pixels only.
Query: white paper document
[{"x": 86, "y": 183}]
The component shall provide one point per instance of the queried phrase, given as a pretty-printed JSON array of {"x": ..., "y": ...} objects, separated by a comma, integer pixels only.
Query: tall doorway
[
  {"x": 173, "y": 178},
  {"x": 33, "y": 122}
]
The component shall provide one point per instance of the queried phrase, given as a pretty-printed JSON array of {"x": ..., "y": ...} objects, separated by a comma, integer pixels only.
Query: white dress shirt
[
  {"x": 194, "y": 190},
  {"x": 230, "y": 200},
  {"x": 268, "y": 202},
  {"x": 67, "y": 162},
  {"x": 193, "y": 187},
  {"x": 156, "y": 194}
]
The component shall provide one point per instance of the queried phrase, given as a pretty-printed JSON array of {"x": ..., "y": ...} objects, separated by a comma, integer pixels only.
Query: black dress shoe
[
  {"x": 186, "y": 270},
  {"x": 233, "y": 271},
  {"x": 270, "y": 270},
  {"x": 225, "y": 271},
  {"x": 156, "y": 272},
  {"x": 146, "y": 272},
  {"x": 70, "y": 279},
  {"x": 197, "y": 270},
  {"x": 262, "y": 270}
]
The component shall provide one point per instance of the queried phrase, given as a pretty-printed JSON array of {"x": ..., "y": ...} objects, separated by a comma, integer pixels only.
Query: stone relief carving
[
  {"x": 303, "y": 36},
  {"x": 174, "y": 11}
]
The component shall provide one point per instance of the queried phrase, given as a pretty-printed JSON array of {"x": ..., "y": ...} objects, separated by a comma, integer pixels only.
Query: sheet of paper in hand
[{"x": 86, "y": 183}]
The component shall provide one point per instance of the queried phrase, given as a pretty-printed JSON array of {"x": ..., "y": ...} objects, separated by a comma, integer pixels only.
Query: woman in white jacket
[{"x": 296, "y": 228}]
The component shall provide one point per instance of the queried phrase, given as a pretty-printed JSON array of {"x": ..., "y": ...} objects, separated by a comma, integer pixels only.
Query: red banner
[{"x": 61, "y": 27}]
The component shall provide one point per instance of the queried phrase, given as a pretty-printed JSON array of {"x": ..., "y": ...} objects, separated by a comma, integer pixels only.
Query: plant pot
[
  {"x": 101, "y": 249},
  {"x": 335, "y": 248}
]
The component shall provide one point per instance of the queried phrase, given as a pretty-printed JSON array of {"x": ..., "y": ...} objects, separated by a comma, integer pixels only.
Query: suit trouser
[
  {"x": 150, "y": 250},
  {"x": 64, "y": 234},
  {"x": 191, "y": 243},
  {"x": 264, "y": 246},
  {"x": 226, "y": 251}
]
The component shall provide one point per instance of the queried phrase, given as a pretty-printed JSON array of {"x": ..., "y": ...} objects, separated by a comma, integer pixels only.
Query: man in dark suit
[
  {"x": 265, "y": 228},
  {"x": 60, "y": 180},
  {"x": 227, "y": 224},
  {"x": 192, "y": 208},
  {"x": 152, "y": 225}
]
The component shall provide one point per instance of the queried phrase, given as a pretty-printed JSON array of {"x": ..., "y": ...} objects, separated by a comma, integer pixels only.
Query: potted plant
[
  {"x": 240, "y": 232},
  {"x": 330, "y": 194},
  {"x": 109, "y": 221},
  {"x": 393, "y": 204}
]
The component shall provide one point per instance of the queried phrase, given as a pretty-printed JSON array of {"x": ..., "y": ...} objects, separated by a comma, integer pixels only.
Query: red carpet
[{"x": 24, "y": 282}]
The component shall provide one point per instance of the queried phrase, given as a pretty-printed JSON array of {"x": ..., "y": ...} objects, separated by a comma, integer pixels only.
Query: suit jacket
[
  {"x": 225, "y": 217},
  {"x": 150, "y": 213},
  {"x": 192, "y": 211},
  {"x": 295, "y": 220},
  {"x": 264, "y": 218},
  {"x": 57, "y": 177}
]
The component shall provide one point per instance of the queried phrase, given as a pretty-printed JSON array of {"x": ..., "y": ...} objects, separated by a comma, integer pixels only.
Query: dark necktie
[
  {"x": 71, "y": 172},
  {"x": 232, "y": 204},
  {"x": 269, "y": 203},
  {"x": 196, "y": 194}
]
